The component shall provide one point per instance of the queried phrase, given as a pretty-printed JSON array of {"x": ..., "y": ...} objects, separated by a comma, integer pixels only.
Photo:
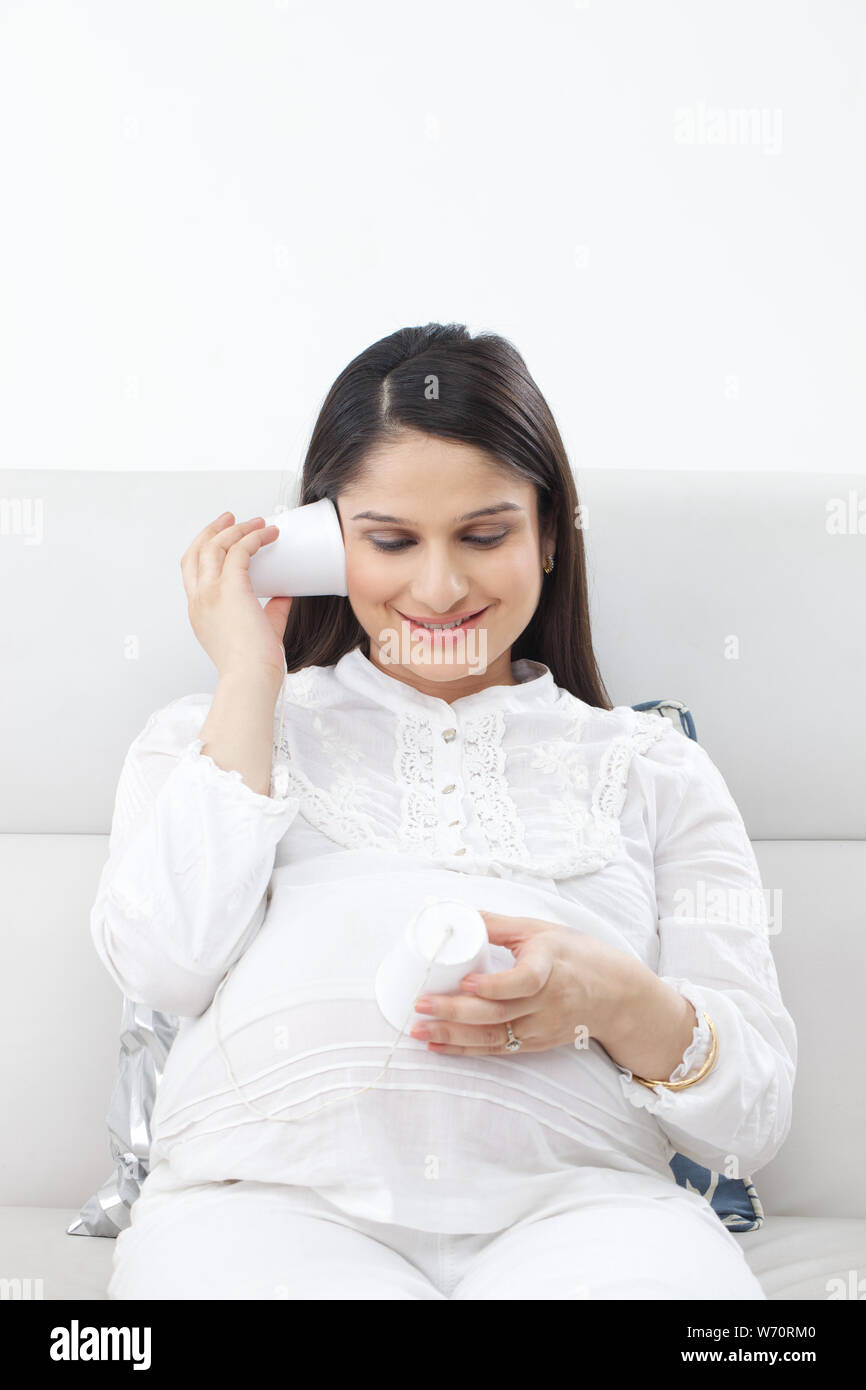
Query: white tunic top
[{"x": 516, "y": 799}]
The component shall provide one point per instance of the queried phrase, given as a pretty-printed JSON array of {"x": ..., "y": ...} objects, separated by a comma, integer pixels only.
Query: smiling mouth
[{"x": 437, "y": 629}]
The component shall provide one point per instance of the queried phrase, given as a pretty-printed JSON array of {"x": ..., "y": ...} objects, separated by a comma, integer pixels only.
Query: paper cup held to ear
[{"x": 308, "y": 556}]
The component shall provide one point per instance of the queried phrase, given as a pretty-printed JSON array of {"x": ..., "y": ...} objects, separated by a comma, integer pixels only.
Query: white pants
[{"x": 254, "y": 1240}]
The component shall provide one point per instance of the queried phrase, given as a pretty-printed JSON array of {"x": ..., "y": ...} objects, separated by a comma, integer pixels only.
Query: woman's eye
[{"x": 475, "y": 540}]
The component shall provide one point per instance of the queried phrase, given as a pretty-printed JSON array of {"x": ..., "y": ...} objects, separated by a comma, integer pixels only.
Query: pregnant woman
[{"x": 271, "y": 843}]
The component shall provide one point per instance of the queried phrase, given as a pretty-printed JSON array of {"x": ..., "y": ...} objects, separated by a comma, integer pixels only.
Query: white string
[
  {"x": 292, "y": 1119},
  {"x": 282, "y": 709}
]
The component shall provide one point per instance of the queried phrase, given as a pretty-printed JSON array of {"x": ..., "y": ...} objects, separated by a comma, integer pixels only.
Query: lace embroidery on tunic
[
  {"x": 413, "y": 769},
  {"x": 488, "y": 787},
  {"x": 342, "y": 811}
]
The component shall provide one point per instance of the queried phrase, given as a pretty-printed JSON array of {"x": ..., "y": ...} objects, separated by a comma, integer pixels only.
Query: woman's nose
[{"x": 438, "y": 585}]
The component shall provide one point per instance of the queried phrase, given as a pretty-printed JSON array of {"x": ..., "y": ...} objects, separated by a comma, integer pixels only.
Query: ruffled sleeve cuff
[
  {"x": 693, "y": 1059},
  {"x": 275, "y": 803}
]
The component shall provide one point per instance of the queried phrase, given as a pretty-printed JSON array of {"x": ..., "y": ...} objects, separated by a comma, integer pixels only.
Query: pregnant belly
[{"x": 311, "y": 1085}]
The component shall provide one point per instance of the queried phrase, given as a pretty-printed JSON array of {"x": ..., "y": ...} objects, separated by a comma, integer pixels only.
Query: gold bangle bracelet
[{"x": 708, "y": 1065}]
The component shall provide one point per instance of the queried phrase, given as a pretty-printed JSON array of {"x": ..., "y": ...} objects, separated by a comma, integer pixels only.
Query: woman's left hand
[{"x": 564, "y": 985}]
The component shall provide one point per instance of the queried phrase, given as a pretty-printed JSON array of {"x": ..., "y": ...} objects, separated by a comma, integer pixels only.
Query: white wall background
[{"x": 210, "y": 207}]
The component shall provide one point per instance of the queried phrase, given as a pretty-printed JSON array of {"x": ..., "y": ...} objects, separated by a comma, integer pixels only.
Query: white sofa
[{"x": 680, "y": 564}]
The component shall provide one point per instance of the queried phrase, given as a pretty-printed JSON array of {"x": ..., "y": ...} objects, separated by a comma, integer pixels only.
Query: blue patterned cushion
[{"x": 734, "y": 1200}]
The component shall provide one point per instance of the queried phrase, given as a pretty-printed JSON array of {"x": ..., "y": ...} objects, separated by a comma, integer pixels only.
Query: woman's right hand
[{"x": 239, "y": 636}]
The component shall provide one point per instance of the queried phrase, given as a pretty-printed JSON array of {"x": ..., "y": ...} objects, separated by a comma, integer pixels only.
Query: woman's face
[{"x": 413, "y": 557}]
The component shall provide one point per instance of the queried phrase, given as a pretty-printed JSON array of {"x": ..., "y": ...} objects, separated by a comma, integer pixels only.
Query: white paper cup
[
  {"x": 400, "y": 978},
  {"x": 308, "y": 556}
]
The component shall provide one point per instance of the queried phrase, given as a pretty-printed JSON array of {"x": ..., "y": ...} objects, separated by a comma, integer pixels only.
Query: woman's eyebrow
[{"x": 399, "y": 521}]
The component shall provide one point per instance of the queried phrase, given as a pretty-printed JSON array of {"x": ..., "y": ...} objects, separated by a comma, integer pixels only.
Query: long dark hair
[{"x": 485, "y": 396}]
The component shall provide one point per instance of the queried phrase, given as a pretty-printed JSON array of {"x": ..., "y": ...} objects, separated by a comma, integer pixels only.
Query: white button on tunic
[{"x": 517, "y": 799}]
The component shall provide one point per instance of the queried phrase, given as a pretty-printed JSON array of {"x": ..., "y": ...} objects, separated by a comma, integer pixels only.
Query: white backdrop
[{"x": 211, "y": 206}]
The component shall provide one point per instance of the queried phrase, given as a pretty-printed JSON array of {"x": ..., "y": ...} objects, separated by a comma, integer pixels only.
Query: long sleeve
[
  {"x": 191, "y": 853},
  {"x": 714, "y": 949}
]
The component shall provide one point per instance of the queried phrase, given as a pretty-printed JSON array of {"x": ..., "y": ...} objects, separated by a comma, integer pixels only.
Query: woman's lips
[{"x": 442, "y": 633}]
